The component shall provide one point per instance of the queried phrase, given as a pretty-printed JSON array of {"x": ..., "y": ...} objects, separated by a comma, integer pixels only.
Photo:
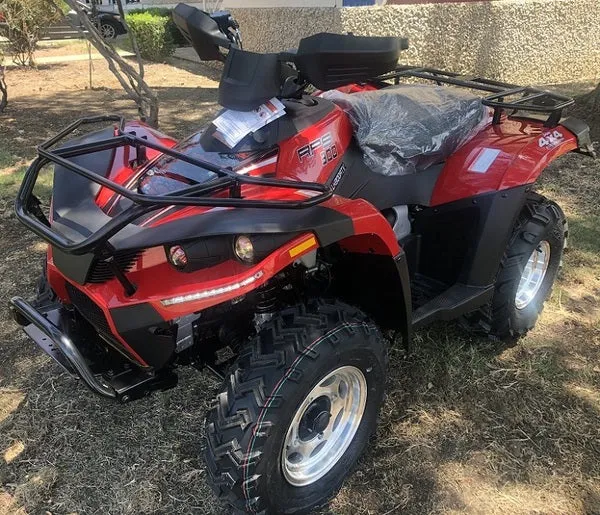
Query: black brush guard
[
  {"x": 50, "y": 328},
  {"x": 27, "y": 205},
  {"x": 43, "y": 328},
  {"x": 46, "y": 327}
]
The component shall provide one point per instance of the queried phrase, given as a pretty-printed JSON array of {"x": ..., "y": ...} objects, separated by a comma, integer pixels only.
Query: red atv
[{"x": 278, "y": 261}]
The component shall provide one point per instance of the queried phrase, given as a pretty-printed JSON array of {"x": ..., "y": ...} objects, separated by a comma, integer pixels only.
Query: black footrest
[
  {"x": 424, "y": 288},
  {"x": 457, "y": 300}
]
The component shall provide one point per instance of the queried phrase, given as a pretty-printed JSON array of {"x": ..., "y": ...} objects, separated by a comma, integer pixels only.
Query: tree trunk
[
  {"x": 131, "y": 80},
  {"x": 3, "y": 91}
]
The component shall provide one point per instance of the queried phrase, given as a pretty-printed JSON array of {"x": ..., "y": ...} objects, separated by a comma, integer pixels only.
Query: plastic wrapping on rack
[{"x": 404, "y": 129}]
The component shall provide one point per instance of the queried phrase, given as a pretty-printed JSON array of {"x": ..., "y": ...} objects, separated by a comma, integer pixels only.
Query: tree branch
[
  {"x": 3, "y": 90},
  {"x": 131, "y": 80}
]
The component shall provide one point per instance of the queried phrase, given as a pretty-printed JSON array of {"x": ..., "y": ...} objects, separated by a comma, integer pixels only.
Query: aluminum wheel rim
[
  {"x": 108, "y": 31},
  {"x": 533, "y": 275},
  {"x": 308, "y": 455}
]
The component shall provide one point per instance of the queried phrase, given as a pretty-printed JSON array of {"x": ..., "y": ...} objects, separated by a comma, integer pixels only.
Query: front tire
[
  {"x": 527, "y": 272},
  {"x": 313, "y": 371}
]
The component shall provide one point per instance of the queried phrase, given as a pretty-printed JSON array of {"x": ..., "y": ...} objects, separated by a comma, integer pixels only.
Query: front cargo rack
[
  {"x": 28, "y": 210},
  {"x": 504, "y": 96}
]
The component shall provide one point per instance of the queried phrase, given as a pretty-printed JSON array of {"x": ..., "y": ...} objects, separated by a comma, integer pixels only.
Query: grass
[
  {"x": 12, "y": 171},
  {"x": 6, "y": 158},
  {"x": 467, "y": 426}
]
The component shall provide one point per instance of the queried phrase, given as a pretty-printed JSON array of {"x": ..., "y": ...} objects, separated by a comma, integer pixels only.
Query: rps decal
[
  {"x": 551, "y": 139},
  {"x": 323, "y": 146}
]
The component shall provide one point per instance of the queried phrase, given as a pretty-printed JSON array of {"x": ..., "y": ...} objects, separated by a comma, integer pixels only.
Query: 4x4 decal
[{"x": 551, "y": 139}]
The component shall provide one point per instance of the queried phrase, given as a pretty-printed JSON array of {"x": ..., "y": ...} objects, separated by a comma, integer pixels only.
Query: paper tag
[{"x": 233, "y": 126}]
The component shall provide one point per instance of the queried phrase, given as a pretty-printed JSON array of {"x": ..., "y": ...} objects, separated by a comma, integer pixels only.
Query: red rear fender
[{"x": 503, "y": 156}]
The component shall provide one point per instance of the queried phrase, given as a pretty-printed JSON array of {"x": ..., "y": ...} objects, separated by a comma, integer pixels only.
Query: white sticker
[{"x": 484, "y": 160}]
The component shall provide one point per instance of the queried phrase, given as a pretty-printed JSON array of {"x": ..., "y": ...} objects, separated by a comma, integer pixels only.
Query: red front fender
[{"x": 372, "y": 232}]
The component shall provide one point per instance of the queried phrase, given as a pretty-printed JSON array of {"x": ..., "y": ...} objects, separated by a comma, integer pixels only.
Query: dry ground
[{"x": 466, "y": 427}]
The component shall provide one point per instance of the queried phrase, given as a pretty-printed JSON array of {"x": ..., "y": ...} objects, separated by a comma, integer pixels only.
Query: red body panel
[
  {"x": 372, "y": 234},
  {"x": 167, "y": 282},
  {"x": 168, "y": 214},
  {"x": 287, "y": 164},
  {"x": 522, "y": 149}
]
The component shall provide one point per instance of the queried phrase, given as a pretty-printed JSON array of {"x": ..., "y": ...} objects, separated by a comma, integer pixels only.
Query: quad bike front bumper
[
  {"x": 44, "y": 330},
  {"x": 48, "y": 327}
]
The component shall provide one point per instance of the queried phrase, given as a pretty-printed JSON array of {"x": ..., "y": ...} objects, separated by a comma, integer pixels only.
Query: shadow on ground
[{"x": 28, "y": 122}]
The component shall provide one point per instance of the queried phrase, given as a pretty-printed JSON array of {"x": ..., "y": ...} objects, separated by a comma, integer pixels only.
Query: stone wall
[
  {"x": 280, "y": 28},
  {"x": 522, "y": 41}
]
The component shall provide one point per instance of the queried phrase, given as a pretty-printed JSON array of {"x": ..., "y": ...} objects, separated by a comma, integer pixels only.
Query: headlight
[
  {"x": 202, "y": 253},
  {"x": 205, "y": 252},
  {"x": 244, "y": 249},
  {"x": 177, "y": 256}
]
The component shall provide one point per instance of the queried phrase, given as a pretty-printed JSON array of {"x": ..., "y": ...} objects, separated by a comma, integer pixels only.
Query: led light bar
[{"x": 205, "y": 294}]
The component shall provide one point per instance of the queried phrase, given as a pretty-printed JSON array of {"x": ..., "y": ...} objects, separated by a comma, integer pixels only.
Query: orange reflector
[{"x": 305, "y": 245}]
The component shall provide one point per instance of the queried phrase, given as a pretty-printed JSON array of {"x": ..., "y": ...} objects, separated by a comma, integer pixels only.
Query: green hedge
[
  {"x": 152, "y": 33},
  {"x": 176, "y": 34}
]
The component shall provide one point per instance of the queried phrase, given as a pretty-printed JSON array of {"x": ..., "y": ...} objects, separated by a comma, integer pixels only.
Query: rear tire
[
  {"x": 540, "y": 235},
  {"x": 266, "y": 394}
]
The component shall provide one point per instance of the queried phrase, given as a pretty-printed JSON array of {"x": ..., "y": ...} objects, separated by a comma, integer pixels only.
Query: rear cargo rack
[
  {"x": 523, "y": 98},
  {"x": 28, "y": 210}
]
